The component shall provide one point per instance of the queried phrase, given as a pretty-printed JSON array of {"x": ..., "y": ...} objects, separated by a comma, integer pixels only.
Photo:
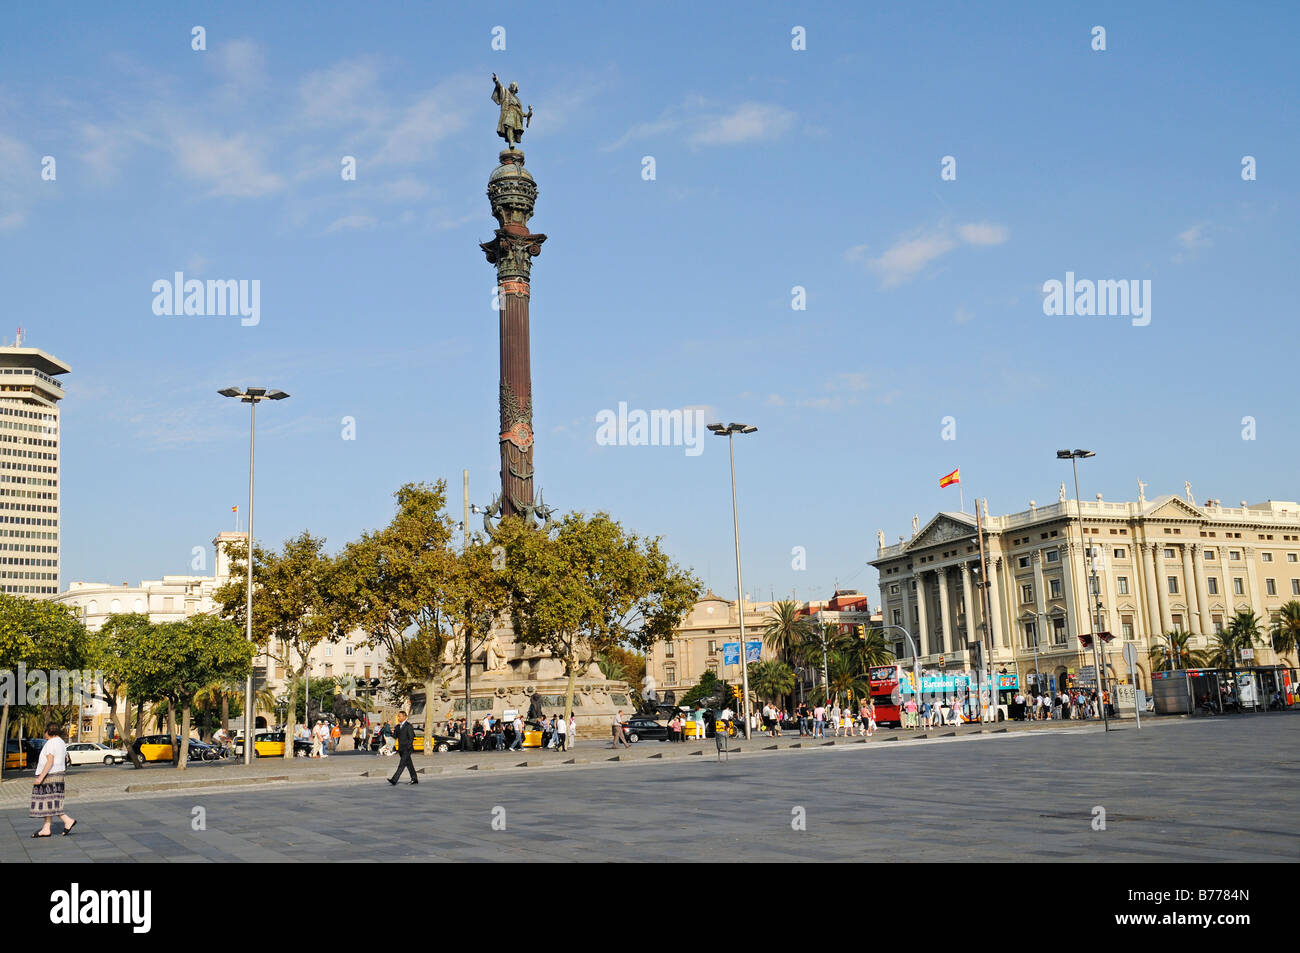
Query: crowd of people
[{"x": 1054, "y": 706}]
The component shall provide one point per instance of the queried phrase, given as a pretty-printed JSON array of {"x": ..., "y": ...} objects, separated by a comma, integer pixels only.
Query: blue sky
[{"x": 775, "y": 168}]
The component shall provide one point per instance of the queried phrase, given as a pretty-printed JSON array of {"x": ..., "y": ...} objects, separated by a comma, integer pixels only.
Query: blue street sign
[{"x": 730, "y": 653}]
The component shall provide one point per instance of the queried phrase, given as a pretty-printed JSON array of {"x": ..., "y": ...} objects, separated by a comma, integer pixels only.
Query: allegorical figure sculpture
[{"x": 514, "y": 120}]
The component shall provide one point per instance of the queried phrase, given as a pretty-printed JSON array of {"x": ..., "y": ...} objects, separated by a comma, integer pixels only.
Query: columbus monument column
[{"x": 513, "y": 192}]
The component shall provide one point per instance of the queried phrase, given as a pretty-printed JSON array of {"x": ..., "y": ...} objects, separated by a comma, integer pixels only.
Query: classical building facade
[
  {"x": 697, "y": 644},
  {"x": 29, "y": 470},
  {"x": 1160, "y": 565}
]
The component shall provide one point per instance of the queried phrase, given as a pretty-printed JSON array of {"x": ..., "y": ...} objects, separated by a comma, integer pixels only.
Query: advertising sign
[
  {"x": 1008, "y": 681},
  {"x": 753, "y": 651},
  {"x": 730, "y": 653}
]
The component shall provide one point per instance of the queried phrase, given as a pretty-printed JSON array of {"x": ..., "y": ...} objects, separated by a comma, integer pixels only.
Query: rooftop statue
[{"x": 514, "y": 120}]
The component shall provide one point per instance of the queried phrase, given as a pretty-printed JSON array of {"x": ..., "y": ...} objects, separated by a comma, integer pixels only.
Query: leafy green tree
[
  {"x": 709, "y": 688},
  {"x": 1222, "y": 652},
  {"x": 1286, "y": 629},
  {"x": 1246, "y": 630},
  {"x": 589, "y": 586},
  {"x": 111, "y": 652},
  {"x": 787, "y": 632},
  {"x": 771, "y": 679},
  {"x": 1175, "y": 651},
  {"x": 41, "y": 635},
  {"x": 867, "y": 650},
  {"x": 190, "y": 655},
  {"x": 295, "y": 607}
]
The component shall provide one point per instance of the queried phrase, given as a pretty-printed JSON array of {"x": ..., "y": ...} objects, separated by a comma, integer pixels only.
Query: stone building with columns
[{"x": 1159, "y": 565}]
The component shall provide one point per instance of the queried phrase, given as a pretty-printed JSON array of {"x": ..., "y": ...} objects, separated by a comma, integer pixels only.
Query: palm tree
[
  {"x": 1176, "y": 652},
  {"x": 846, "y": 680},
  {"x": 1222, "y": 652},
  {"x": 771, "y": 679},
  {"x": 867, "y": 650},
  {"x": 1245, "y": 630},
  {"x": 611, "y": 668},
  {"x": 1286, "y": 628},
  {"x": 787, "y": 632}
]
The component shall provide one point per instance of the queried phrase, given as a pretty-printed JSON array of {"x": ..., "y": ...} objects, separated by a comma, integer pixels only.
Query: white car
[{"x": 91, "y": 752}]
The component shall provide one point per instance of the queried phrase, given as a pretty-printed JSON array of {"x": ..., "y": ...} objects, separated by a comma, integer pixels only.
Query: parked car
[
  {"x": 15, "y": 756},
  {"x": 644, "y": 728},
  {"x": 91, "y": 752},
  {"x": 441, "y": 743},
  {"x": 270, "y": 744},
  {"x": 156, "y": 748}
]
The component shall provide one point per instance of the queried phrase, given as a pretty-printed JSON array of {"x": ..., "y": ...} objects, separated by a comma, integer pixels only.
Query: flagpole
[{"x": 963, "y": 496}]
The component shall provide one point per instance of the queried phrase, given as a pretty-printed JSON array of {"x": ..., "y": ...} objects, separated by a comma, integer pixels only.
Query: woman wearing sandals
[{"x": 48, "y": 791}]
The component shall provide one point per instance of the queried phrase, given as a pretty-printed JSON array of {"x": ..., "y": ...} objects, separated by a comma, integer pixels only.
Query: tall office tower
[{"x": 29, "y": 470}]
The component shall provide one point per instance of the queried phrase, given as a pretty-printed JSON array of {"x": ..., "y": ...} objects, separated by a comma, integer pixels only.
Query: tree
[
  {"x": 294, "y": 607},
  {"x": 787, "y": 632},
  {"x": 1245, "y": 630},
  {"x": 112, "y": 652},
  {"x": 1222, "y": 651},
  {"x": 709, "y": 690},
  {"x": 1286, "y": 628},
  {"x": 771, "y": 679},
  {"x": 43, "y": 637},
  {"x": 589, "y": 586},
  {"x": 190, "y": 655},
  {"x": 1175, "y": 652},
  {"x": 867, "y": 650}
]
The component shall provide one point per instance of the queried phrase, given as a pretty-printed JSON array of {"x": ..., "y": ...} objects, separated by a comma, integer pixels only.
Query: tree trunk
[
  {"x": 468, "y": 724},
  {"x": 289, "y": 715},
  {"x": 185, "y": 737},
  {"x": 139, "y": 718},
  {"x": 568, "y": 693},
  {"x": 124, "y": 728},
  {"x": 225, "y": 711},
  {"x": 428, "y": 717},
  {"x": 4, "y": 738},
  {"x": 171, "y": 729}
]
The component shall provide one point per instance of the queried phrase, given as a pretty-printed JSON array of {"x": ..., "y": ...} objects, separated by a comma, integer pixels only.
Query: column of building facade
[
  {"x": 922, "y": 617},
  {"x": 973, "y": 608},
  {"x": 1229, "y": 594},
  {"x": 1040, "y": 597},
  {"x": 1151, "y": 596},
  {"x": 1110, "y": 619},
  {"x": 945, "y": 611},
  {"x": 1253, "y": 590},
  {"x": 1071, "y": 595},
  {"x": 995, "y": 603},
  {"x": 1162, "y": 588},
  {"x": 1198, "y": 579}
]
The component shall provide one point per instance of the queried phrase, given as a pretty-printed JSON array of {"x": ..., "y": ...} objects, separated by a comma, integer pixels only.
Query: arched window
[
  {"x": 92, "y": 607},
  {"x": 115, "y": 606}
]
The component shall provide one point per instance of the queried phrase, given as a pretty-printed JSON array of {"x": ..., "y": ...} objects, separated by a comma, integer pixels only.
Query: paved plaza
[{"x": 1223, "y": 789}]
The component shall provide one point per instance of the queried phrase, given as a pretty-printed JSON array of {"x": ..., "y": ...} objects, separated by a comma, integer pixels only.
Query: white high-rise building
[{"x": 29, "y": 470}]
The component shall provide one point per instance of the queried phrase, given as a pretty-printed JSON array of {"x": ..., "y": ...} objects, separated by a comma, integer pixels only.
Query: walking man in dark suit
[{"x": 405, "y": 743}]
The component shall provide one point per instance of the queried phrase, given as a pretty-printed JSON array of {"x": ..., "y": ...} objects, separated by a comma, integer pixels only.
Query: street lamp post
[
  {"x": 251, "y": 396},
  {"x": 729, "y": 431},
  {"x": 916, "y": 659},
  {"x": 1073, "y": 456}
]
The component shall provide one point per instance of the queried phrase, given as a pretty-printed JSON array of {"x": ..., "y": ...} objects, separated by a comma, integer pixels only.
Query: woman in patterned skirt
[{"x": 48, "y": 791}]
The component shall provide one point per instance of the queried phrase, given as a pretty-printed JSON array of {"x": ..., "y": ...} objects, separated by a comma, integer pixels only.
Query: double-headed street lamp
[
  {"x": 1074, "y": 456},
  {"x": 729, "y": 431},
  {"x": 250, "y": 396}
]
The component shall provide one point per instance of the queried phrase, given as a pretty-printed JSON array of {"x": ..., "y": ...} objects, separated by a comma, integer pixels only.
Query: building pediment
[
  {"x": 1172, "y": 508},
  {"x": 943, "y": 528}
]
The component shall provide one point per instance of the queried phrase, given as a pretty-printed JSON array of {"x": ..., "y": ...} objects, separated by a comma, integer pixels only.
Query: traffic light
[
  {"x": 860, "y": 631},
  {"x": 941, "y": 661}
]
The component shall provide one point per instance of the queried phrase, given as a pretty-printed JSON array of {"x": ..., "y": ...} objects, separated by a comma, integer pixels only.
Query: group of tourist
[
  {"x": 814, "y": 721},
  {"x": 932, "y": 714},
  {"x": 324, "y": 738},
  {"x": 1054, "y": 706}
]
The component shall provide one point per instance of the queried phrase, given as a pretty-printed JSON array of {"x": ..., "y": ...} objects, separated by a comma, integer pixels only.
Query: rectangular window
[
  {"x": 1212, "y": 585},
  {"x": 1290, "y": 557},
  {"x": 1121, "y": 584},
  {"x": 329, "y": 652},
  {"x": 1058, "y": 631},
  {"x": 1031, "y": 636},
  {"x": 1055, "y": 585},
  {"x": 669, "y": 651},
  {"x": 898, "y": 617},
  {"x": 713, "y": 647},
  {"x": 1266, "y": 557},
  {"x": 1053, "y": 555},
  {"x": 347, "y": 650},
  {"x": 1178, "y": 622},
  {"x": 1024, "y": 562},
  {"x": 1094, "y": 585},
  {"x": 670, "y": 675},
  {"x": 1270, "y": 587},
  {"x": 1120, "y": 552},
  {"x": 1217, "y": 622},
  {"x": 1237, "y": 588},
  {"x": 1210, "y": 554},
  {"x": 1169, "y": 552},
  {"x": 1295, "y": 587},
  {"x": 1126, "y": 628},
  {"x": 1173, "y": 585},
  {"x": 1026, "y": 593},
  {"x": 1234, "y": 554},
  {"x": 893, "y": 590}
]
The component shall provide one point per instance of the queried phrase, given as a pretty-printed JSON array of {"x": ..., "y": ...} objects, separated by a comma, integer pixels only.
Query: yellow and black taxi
[
  {"x": 441, "y": 743},
  {"x": 158, "y": 748},
  {"x": 15, "y": 756},
  {"x": 270, "y": 744}
]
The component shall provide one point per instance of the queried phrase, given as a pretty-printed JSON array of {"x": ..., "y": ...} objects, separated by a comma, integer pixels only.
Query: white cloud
[
  {"x": 704, "y": 123},
  {"x": 349, "y": 222},
  {"x": 962, "y": 315},
  {"x": 982, "y": 234},
  {"x": 231, "y": 165},
  {"x": 11, "y": 220},
  {"x": 909, "y": 256},
  {"x": 1194, "y": 238},
  {"x": 775, "y": 400}
]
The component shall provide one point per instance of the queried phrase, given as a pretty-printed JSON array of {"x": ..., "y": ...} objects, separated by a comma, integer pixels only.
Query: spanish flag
[
  {"x": 234, "y": 509},
  {"x": 951, "y": 478}
]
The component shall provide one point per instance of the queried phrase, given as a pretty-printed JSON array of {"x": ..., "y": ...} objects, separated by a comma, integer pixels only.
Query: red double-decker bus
[{"x": 887, "y": 693}]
